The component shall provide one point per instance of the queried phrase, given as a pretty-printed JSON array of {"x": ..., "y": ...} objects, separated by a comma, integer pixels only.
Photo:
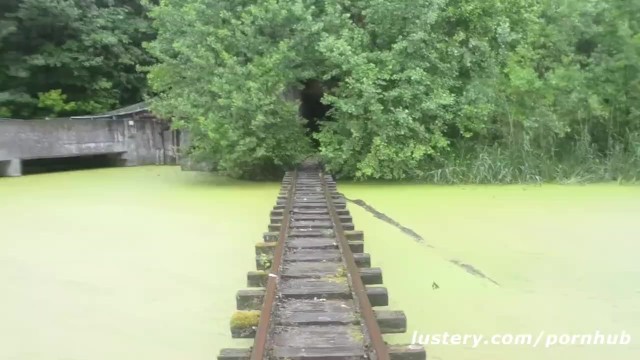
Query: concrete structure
[
  {"x": 11, "y": 167},
  {"x": 129, "y": 138}
]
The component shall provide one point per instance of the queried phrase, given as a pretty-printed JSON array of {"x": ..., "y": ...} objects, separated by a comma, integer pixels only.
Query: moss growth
[
  {"x": 264, "y": 261},
  {"x": 356, "y": 333},
  {"x": 335, "y": 279},
  {"x": 265, "y": 248},
  {"x": 245, "y": 319},
  {"x": 339, "y": 277}
]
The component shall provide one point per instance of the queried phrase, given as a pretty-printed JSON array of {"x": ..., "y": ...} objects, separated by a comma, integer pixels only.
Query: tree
[
  {"x": 63, "y": 57},
  {"x": 417, "y": 86}
]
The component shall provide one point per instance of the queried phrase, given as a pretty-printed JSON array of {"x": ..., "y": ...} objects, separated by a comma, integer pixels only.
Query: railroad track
[{"x": 312, "y": 296}]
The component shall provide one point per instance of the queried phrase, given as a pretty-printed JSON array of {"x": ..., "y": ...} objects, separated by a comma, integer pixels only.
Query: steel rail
[
  {"x": 258, "y": 351},
  {"x": 357, "y": 287}
]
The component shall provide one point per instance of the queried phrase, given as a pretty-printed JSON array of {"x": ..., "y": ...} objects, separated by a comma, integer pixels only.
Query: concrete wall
[
  {"x": 139, "y": 139},
  {"x": 34, "y": 139},
  {"x": 11, "y": 168}
]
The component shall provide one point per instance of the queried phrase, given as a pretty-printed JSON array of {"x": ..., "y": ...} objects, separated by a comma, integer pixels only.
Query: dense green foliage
[
  {"x": 442, "y": 90},
  {"x": 439, "y": 90},
  {"x": 62, "y": 57}
]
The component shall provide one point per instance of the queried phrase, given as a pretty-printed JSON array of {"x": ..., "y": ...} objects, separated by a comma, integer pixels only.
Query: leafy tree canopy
[
  {"x": 63, "y": 57},
  {"x": 416, "y": 80}
]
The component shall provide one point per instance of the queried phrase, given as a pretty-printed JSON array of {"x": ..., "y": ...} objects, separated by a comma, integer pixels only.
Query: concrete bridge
[{"x": 127, "y": 137}]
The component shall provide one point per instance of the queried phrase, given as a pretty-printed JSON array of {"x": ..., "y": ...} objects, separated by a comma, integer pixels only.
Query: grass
[{"x": 521, "y": 164}]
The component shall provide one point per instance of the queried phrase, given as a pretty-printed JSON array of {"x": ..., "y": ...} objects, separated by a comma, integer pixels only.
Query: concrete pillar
[{"x": 11, "y": 167}]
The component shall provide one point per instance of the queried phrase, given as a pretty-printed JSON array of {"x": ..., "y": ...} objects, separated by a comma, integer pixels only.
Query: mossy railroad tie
[{"x": 315, "y": 313}]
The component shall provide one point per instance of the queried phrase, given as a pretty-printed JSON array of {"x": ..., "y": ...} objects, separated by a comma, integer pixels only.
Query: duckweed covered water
[
  {"x": 144, "y": 263},
  {"x": 129, "y": 263},
  {"x": 565, "y": 259}
]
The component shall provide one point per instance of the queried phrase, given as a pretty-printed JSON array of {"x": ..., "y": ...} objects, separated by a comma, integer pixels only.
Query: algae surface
[
  {"x": 126, "y": 263},
  {"x": 144, "y": 263},
  {"x": 564, "y": 259}
]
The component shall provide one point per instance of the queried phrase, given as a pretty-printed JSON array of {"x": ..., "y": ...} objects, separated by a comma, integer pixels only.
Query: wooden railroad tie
[{"x": 312, "y": 293}]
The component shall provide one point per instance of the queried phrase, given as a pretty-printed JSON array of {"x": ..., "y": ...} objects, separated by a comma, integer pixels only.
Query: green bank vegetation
[
  {"x": 446, "y": 91},
  {"x": 71, "y": 57}
]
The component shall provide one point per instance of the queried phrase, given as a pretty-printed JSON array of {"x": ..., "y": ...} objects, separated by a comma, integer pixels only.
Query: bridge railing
[{"x": 124, "y": 111}]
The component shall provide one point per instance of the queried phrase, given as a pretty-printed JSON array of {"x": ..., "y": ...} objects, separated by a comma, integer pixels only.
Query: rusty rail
[
  {"x": 364, "y": 305},
  {"x": 258, "y": 351},
  {"x": 311, "y": 296}
]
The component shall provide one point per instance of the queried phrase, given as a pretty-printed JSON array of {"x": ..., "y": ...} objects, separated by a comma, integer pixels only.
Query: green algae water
[
  {"x": 565, "y": 260},
  {"x": 144, "y": 263},
  {"x": 126, "y": 263}
]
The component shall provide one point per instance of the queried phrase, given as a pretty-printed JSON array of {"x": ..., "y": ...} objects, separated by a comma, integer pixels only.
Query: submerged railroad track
[{"x": 311, "y": 296}]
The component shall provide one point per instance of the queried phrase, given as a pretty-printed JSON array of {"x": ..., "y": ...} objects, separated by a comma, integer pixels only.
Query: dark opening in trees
[{"x": 312, "y": 108}]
